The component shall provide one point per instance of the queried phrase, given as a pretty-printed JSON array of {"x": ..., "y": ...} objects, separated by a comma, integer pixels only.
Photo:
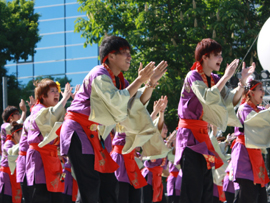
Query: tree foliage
[
  {"x": 18, "y": 38},
  {"x": 170, "y": 29}
]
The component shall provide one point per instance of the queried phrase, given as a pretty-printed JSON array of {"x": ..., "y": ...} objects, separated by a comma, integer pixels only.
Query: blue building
[{"x": 60, "y": 53}]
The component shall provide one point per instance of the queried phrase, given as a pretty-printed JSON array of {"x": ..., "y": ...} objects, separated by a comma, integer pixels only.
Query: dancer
[
  {"x": 247, "y": 164},
  {"x": 103, "y": 99},
  {"x": 204, "y": 98},
  {"x": 10, "y": 189},
  {"x": 43, "y": 167}
]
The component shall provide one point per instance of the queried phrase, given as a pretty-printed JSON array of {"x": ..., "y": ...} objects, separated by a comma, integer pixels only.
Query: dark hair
[
  {"x": 15, "y": 126},
  {"x": 8, "y": 111},
  {"x": 250, "y": 84},
  {"x": 206, "y": 46},
  {"x": 111, "y": 43},
  {"x": 42, "y": 88}
]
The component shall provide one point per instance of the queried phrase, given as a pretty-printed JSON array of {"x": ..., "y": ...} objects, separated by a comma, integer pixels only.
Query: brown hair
[
  {"x": 42, "y": 88},
  {"x": 205, "y": 47},
  {"x": 15, "y": 126},
  {"x": 246, "y": 96},
  {"x": 8, "y": 112}
]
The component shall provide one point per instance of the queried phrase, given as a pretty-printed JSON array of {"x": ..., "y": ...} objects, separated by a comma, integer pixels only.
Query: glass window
[
  {"x": 74, "y": 38},
  {"x": 25, "y": 70},
  {"x": 50, "y": 54},
  {"x": 81, "y": 65},
  {"x": 24, "y": 82},
  {"x": 50, "y": 12},
  {"x": 70, "y": 22},
  {"x": 28, "y": 60},
  {"x": 72, "y": 10},
  {"x": 50, "y": 68},
  {"x": 11, "y": 70},
  {"x": 51, "y": 40},
  {"x": 71, "y": 1},
  {"x": 51, "y": 26},
  {"x": 76, "y": 79},
  {"x": 79, "y": 51},
  {"x": 39, "y": 3}
]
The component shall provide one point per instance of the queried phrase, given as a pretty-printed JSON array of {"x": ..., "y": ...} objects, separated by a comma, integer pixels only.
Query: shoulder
[
  {"x": 193, "y": 76},
  {"x": 215, "y": 77},
  {"x": 98, "y": 71}
]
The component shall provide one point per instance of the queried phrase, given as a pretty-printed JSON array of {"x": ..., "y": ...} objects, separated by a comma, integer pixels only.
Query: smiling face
[
  {"x": 17, "y": 136},
  {"x": 256, "y": 96},
  {"x": 52, "y": 97},
  {"x": 15, "y": 116},
  {"x": 120, "y": 60},
  {"x": 213, "y": 61}
]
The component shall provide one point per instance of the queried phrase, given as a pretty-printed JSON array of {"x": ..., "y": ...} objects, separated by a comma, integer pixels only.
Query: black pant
[
  {"x": 128, "y": 194},
  {"x": 197, "y": 180},
  {"x": 147, "y": 194},
  {"x": 93, "y": 186},
  {"x": 25, "y": 191},
  {"x": 40, "y": 194},
  {"x": 67, "y": 198},
  {"x": 229, "y": 197},
  {"x": 5, "y": 198},
  {"x": 250, "y": 193},
  {"x": 216, "y": 200},
  {"x": 173, "y": 198}
]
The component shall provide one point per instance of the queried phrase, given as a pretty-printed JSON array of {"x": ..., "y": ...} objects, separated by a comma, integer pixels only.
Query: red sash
[
  {"x": 157, "y": 183},
  {"x": 221, "y": 193},
  {"x": 22, "y": 153},
  {"x": 200, "y": 132},
  {"x": 174, "y": 173},
  {"x": 103, "y": 160},
  {"x": 52, "y": 167},
  {"x": 134, "y": 174},
  {"x": 257, "y": 163},
  {"x": 15, "y": 187},
  {"x": 74, "y": 187}
]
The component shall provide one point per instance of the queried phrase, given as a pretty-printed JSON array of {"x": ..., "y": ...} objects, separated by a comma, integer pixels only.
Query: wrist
[{"x": 150, "y": 84}]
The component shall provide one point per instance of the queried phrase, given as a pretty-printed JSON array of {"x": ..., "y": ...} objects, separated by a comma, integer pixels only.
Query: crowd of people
[{"x": 107, "y": 148}]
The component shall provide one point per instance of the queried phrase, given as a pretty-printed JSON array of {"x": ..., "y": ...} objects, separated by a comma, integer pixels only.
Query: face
[
  {"x": 53, "y": 97},
  {"x": 213, "y": 62},
  {"x": 256, "y": 95},
  {"x": 15, "y": 116},
  {"x": 164, "y": 131},
  {"x": 121, "y": 60},
  {"x": 17, "y": 136}
]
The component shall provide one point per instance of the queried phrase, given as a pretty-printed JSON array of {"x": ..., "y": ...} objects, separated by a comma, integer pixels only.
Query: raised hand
[
  {"x": 145, "y": 73},
  {"x": 230, "y": 70},
  {"x": 164, "y": 100},
  {"x": 76, "y": 90},
  {"x": 67, "y": 91},
  {"x": 158, "y": 72},
  {"x": 31, "y": 101},
  {"x": 22, "y": 105},
  {"x": 246, "y": 72}
]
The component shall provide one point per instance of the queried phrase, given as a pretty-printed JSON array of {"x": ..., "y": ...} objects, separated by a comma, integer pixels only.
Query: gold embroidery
[
  {"x": 55, "y": 182},
  {"x": 135, "y": 181},
  {"x": 182, "y": 95},
  {"x": 261, "y": 173},
  {"x": 103, "y": 155},
  {"x": 102, "y": 162}
]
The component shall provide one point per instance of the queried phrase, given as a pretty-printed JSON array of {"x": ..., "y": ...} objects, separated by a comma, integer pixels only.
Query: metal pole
[{"x": 5, "y": 96}]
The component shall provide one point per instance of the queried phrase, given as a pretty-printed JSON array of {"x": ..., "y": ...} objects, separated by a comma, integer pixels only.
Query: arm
[
  {"x": 161, "y": 112},
  {"x": 246, "y": 72},
  {"x": 65, "y": 95},
  {"x": 23, "y": 108}
]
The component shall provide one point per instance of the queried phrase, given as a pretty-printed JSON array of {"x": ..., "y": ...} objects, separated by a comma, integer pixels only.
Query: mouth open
[
  {"x": 56, "y": 99},
  {"x": 218, "y": 64}
]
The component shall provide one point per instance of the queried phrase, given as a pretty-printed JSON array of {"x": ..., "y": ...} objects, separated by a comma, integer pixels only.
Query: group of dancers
[{"x": 107, "y": 148}]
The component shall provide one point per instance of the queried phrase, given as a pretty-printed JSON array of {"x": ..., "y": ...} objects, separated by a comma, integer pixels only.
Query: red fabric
[
  {"x": 15, "y": 187},
  {"x": 221, "y": 193},
  {"x": 200, "y": 132},
  {"x": 103, "y": 160},
  {"x": 8, "y": 137},
  {"x": 121, "y": 77},
  {"x": 257, "y": 163},
  {"x": 74, "y": 187},
  {"x": 52, "y": 167},
  {"x": 174, "y": 173},
  {"x": 157, "y": 183},
  {"x": 22, "y": 153},
  {"x": 134, "y": 174}
]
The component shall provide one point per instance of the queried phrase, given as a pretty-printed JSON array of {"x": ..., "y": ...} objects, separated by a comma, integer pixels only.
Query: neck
[
  {"x": 114, "y": 69},
  {"x": 253, "y": 101},
  {"x": 206, "y": 70}
]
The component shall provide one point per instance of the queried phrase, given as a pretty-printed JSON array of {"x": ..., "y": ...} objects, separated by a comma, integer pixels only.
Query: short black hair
[
  {"x": 8, "y": 111},
  {"x": 111, "y": 43}
]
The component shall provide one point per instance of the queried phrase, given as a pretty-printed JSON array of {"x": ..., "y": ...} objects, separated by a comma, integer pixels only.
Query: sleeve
[
  {"x": 108, "y": 104},
  {"x": 257, "y": 129},
  {"x": 214, "y": 107},
  {"x": 48, "y": 121}
]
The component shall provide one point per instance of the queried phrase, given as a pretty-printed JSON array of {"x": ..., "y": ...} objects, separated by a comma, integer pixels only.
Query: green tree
[
  {"x": 169, "y": 30},
  {"x": 18, "y": 38}
]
